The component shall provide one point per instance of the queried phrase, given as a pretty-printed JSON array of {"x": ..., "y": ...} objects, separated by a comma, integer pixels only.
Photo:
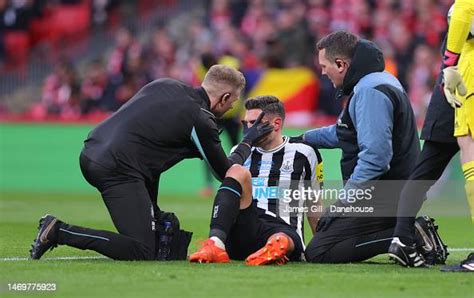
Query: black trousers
[
  {"x": 431, "y": 163},
  {"x": 131, "y": 203},
  {"x": 351, "y": 239},
  {"x": 358, "y": 239}
]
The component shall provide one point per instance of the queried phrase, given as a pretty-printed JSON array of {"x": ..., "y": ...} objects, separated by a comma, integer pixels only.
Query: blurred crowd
[
  {"x": 27, "y": 23},
  {"x": 252, "y": 35}
]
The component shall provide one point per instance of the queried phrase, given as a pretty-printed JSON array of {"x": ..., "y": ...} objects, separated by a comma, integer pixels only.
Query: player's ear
[{"x": 277, "y": 123}]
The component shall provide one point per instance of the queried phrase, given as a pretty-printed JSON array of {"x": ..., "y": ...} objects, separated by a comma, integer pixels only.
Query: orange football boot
[
  {"x": 209, "y": 253},
  {"x": 274, "y": 252}
]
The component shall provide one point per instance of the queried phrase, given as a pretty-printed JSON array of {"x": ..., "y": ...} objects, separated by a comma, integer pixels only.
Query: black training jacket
[{"x": 164, "y": 123}]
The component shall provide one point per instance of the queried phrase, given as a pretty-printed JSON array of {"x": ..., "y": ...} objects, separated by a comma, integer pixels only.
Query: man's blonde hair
[{"x": 220, "y": 76}]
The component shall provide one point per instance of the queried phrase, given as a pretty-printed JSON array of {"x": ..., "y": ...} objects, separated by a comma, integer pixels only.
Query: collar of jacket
[
  {"x": 206, "y": 102},
  {"x": 367, "y": 58}
]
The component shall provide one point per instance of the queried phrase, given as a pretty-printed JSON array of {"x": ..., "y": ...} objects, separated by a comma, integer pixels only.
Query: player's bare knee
[{"x": 240, "y": 174}]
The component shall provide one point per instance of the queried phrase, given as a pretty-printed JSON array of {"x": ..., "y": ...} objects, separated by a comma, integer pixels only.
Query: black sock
[
  {"x": 405, "y": 230},
  {"x": 226, "y": 208}
]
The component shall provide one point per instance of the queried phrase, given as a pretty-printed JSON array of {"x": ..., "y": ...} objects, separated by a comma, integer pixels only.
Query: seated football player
[{"x": 255, "y": 215}]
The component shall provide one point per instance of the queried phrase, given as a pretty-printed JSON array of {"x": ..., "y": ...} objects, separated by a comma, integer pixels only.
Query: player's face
[
  {"x": 334, "y": 70},
  {"x": 252, "y": 115}
]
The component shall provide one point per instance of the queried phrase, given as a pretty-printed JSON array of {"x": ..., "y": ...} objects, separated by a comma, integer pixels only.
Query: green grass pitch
[{"x": 106, "y": 278}]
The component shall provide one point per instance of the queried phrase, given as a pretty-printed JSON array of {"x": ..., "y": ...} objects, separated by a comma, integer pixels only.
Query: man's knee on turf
[
  {"x": 243, "y": 176},
  {"x": 146, "y": 257},
  {"x": 137, "y": 251},
  {"x": 314, "y": 253}
]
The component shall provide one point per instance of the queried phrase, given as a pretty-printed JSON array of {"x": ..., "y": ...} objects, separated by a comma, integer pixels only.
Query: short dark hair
[
  {"x": 223, "y": 75},
  {"x": 267, "y": 103},
  {"x": 339, "y": 44}
]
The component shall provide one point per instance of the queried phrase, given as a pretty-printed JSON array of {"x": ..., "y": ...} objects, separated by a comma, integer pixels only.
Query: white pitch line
[
  {"x": 53, "y": 259},
  {"x": 461, "y": 249},
  {"x": 13, "y": 259}
]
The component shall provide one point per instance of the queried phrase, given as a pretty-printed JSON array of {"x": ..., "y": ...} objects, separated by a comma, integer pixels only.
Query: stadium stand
[{"x": 114, "y": 47}]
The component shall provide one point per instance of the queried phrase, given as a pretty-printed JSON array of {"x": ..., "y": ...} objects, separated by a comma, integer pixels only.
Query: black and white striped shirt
[{"x": 292, "y": 165}]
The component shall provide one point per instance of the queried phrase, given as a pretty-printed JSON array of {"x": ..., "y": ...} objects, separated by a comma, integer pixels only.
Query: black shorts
[{"x": 250, "y": 233}]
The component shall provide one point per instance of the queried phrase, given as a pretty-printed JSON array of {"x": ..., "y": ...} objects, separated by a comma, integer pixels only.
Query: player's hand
[
  {"x": 257, "y": 132},
  {"x": 453, "y": 82},
  {"x": 324, "y": 223},
  {"x": 329, "y": 216}
]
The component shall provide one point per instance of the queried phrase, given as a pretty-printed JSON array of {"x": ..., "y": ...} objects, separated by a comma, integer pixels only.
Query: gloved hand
[
  {"x": 452, "y": 81},
  {"x": 328, "y": 217},
  {"x": 257, "y": 132}
]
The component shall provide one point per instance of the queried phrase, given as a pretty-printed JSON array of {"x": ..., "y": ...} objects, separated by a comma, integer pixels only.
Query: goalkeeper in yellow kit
[{"x": 459, "y": 91}]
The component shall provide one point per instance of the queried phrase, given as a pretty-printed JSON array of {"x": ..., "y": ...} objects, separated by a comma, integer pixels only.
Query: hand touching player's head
[{"x": 274, "y": 114}]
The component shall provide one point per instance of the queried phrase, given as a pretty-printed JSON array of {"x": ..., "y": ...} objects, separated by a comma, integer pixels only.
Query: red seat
[
  {"x": 71, "y": 20},
  {"x": 40, "y": 28},
  {"x": 17, "y": 47}
]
